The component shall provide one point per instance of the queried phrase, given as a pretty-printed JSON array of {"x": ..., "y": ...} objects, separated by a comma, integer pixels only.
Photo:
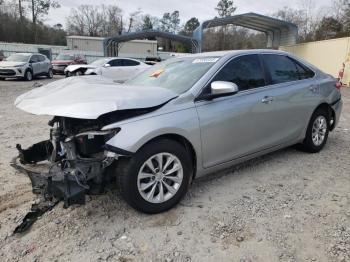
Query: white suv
[{"x": 26, "y": 66}]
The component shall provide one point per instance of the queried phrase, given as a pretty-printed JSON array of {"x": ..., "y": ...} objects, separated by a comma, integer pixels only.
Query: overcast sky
[{"x": 202, "y": 9}]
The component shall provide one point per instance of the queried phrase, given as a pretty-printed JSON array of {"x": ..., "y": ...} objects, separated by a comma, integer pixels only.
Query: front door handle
[
  {"x": 313, "y": 89},
  {"x": 267, "y": 100}
]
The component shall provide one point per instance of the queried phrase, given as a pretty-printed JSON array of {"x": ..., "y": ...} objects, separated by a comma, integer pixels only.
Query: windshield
[
  {"x": 65, "y": 57},
  {"x": 18, "y": 58},
  {"x": 177, "y": 74},
  {"x": 100, "y": 62}
]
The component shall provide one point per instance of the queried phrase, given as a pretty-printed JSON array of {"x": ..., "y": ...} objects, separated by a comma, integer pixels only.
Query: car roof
[{"x": 235, "y": 52}]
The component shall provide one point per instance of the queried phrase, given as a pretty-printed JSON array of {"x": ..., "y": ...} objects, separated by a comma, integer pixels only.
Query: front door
[
  {"x": 237, "y": 125},
  {"x": 36, "y": 67}
]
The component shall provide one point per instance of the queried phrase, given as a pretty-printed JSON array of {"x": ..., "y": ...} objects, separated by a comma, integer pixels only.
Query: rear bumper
[{"x": 337, "y": 107}]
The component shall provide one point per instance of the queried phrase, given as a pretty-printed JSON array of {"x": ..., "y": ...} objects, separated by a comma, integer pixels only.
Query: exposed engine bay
[{"x": 78, "y": 159}]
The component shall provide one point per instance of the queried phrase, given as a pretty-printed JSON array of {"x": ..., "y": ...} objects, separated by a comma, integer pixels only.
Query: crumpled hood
[
  {"x": 72, "y": 68},
  {"x": 11, "y": 63},
  {"x": 89, "y": 97}
]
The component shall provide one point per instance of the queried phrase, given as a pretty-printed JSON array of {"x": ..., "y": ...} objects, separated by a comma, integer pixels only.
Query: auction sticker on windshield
[
  {"x": 205, "y": 60},
  {"x": 157, "y": 73}
]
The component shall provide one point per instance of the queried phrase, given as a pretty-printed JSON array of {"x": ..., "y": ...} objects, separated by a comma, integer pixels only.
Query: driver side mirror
[
  {"x": 107, "y": 65},
  {"x": 222, "y": 88},
  {"x": 219, "y": 89}
]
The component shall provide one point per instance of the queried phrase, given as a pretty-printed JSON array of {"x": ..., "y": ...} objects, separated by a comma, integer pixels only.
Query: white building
[{"x": 136, "y": 48}]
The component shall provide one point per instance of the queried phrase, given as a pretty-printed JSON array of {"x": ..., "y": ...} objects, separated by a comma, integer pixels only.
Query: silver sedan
[{"x": 182, "y": 119}]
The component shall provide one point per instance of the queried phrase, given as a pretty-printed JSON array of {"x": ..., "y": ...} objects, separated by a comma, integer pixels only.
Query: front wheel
[
  {"x": 317, "y": 132},
  {"x": 156, "y": 177},
  {"x": 28, "y": 75},
  {"x": 50, "y": 74}
]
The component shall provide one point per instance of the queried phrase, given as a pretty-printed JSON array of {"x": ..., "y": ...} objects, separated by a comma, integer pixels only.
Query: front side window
[
  {"x": 281, "y": 68},
  {"x": 34, "y": 59},
  {"x": 41, "y": 58},
  {"x": 115, "y": 62},
  {"x": 244, "y": 71}
]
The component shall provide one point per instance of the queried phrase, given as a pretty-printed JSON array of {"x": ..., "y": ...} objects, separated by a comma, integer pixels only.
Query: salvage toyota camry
[{"x": 181, "y": 119}]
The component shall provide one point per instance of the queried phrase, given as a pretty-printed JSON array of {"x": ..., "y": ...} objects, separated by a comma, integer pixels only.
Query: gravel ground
[{"x": 285, "y": 206}]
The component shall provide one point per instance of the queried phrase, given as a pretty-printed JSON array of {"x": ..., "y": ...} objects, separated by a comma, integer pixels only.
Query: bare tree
[
  {"x": 95, "y": 20},
  {"x": 40, "y": 8}
]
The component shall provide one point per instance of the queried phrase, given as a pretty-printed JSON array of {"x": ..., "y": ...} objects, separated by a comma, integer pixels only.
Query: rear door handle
[{"x": 267, "y": 99}]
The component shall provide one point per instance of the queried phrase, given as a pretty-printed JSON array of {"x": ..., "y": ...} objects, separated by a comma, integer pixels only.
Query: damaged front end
[{"x": 78, "y": 160}]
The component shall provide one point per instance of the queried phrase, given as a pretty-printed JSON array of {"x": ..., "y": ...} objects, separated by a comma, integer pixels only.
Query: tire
[
  {"x": 79, "y": 73},
  {"x": 2, "y": 78},
  {"x": 28, "y": 75},
  {"x": 50, "y": 74},
  {"x": 130, "y": 182},
  {"x": 315, "y": 130}
]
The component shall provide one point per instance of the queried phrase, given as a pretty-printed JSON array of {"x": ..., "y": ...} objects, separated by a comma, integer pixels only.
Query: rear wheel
[
  {"x": 317, "y": 132},
  {"x": 28, "y": 75},
  {"x": 156, "y": 177},
  {"x": 2, "y": 78}
]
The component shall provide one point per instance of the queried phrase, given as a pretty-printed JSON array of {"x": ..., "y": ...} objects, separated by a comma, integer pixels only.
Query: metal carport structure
[
  {"x": 278, "y": 32},
  {"x": 110, "y": 44}
]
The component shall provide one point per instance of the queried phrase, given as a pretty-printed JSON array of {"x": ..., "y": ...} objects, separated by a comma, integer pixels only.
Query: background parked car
[
  {"x": 152, "y": 60},
  {"x": 2, "y": 56},
  {"x": 26, "y": 66},
  {"x": 119, "y": 69},
  {"x": 63, "y": 60}
]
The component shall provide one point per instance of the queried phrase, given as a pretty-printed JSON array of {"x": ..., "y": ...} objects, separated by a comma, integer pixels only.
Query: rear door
[
  {"x": 241, "y": 124},
  {"x": 294, "y": 95}
]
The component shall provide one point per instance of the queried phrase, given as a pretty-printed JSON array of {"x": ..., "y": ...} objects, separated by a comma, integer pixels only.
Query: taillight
[{"x": 338, "y": 85}]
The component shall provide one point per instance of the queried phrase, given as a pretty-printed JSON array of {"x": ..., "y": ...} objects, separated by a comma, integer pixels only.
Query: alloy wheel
[
  {"x": 160, "y": 177},
  {"x": 319, "y": 129}
]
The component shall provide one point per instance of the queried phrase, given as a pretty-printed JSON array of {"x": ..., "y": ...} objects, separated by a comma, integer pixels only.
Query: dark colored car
[{"x": 63, "y": 60}]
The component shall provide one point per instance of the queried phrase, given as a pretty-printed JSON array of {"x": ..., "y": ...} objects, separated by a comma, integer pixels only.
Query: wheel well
[
  {"x": 331, "y": 113},
  {"x": 187, "y": 144}
]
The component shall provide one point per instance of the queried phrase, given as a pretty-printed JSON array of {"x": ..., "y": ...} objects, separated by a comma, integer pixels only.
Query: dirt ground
[{"x": 286, "y": 206}]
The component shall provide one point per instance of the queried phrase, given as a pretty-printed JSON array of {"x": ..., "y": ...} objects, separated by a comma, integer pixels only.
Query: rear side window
[
  {"x": 130, "y": 63},
  {"x": 281, "y": 68},
  {"x": 244, "y": 71}
]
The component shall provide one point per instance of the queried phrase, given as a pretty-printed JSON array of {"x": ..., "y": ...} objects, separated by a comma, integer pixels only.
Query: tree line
[{"x": 24, "y": 21}]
